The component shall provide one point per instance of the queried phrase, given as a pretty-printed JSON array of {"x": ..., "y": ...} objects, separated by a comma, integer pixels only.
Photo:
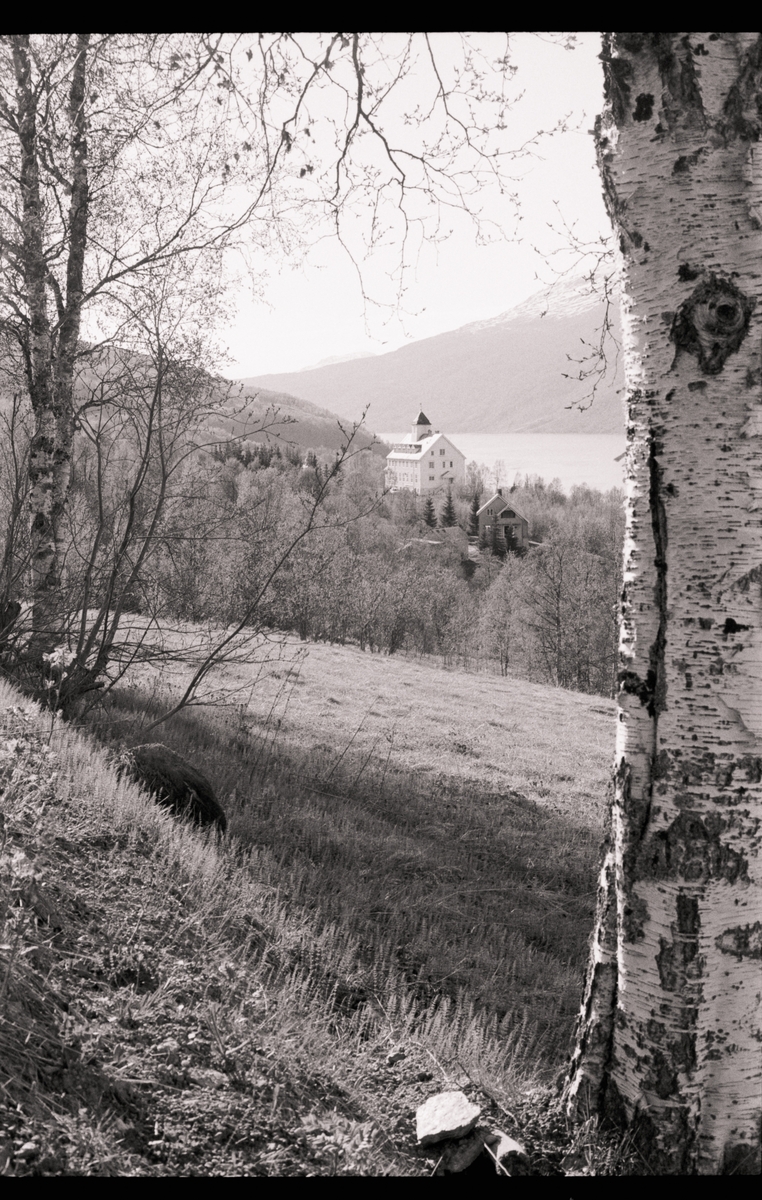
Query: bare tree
[{"x": 129, "y": 159}]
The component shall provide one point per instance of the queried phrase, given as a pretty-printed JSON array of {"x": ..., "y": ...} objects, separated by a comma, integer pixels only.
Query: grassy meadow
[
  {"x": 402, "y": 906},
  {"x": 446, "y": 823}
]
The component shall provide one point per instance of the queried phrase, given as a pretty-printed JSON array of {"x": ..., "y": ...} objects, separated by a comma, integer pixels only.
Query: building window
[
  {"x": 442, "y": 453},
  {"x": 450, "y": 464},
  {"x": 431, "y": 478}
]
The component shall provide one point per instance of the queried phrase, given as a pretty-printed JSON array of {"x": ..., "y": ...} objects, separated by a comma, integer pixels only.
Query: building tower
[{"x": 422, "y": 428}]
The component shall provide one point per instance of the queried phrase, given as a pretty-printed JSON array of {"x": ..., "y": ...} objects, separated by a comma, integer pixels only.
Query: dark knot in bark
[{"x": 712, "y": 322}]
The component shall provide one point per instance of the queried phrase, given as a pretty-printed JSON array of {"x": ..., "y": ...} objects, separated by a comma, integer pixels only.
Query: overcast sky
[{"x": 314, "y": 311}]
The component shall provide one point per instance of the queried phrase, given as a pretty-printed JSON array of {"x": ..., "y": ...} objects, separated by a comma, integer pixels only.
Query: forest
[{"x": 268, "y": 534}]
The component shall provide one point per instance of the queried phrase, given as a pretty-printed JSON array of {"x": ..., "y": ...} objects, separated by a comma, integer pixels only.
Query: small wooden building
[{"x": 500, "y": 514}]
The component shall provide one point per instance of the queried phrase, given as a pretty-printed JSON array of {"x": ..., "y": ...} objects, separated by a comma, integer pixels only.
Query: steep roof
[
  {"x": 422, "y": 419},
  {"x": 504, "y": 503},
  {"x": 419, "y": 450}
]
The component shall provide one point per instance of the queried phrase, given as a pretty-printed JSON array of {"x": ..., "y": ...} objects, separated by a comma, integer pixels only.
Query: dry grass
[
  {"x": 447, "y": 823},
  {"x": 396, "y": 879},
  {"x": 129, "y": 927},
  {"x": 501, "y": 734}
]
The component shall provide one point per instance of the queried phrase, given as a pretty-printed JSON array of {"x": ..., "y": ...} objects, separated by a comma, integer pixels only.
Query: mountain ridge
[{"x": 513, "y": 373}]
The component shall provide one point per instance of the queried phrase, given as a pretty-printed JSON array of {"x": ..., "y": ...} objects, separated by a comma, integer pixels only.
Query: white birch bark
[
  {"x": 670, "y": 1037},
  {"x": 51, "y": 350}
]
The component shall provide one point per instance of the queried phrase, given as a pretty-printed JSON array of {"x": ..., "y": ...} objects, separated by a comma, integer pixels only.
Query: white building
[{"x": 425, "y": 461}]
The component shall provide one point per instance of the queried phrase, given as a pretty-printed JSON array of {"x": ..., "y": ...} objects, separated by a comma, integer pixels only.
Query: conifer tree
[
  {"x": 496, "y": 542},
  {"x": 449, "y": 516},
  {"x": 429, "y": 515},
  {"x": 473, "y": 518}
]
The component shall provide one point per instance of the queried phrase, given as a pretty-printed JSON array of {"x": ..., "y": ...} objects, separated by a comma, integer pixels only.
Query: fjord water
[{"x": 574, "y": 458}]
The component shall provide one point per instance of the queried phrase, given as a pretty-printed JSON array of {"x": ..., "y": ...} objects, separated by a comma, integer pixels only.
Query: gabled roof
[
  {"x": 419, "y": 450},
  {"x": 503, "y": 503}
]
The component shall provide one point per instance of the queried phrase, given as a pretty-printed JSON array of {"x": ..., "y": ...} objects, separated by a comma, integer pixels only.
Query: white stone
[{"x": 446, "y": 1115}]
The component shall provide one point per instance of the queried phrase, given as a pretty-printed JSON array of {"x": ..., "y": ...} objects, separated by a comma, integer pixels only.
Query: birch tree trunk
[
  {"x": 52, "y": 345},
  {"x": 669, "y": 1036}
]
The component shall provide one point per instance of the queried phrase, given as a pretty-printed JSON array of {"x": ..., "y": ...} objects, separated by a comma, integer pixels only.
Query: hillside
[
  {"x": 289, "y": 420},
  {"x": 176, "y": 1006},
  {"x": 504, "y": 375},
  {"x": 238, "y": 409}
]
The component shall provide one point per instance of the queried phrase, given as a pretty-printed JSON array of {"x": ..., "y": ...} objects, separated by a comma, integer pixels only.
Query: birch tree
[
  {"x": 125, "y": 156},
  {"x": 669, "y": 1035},
  {"x": 101, "y": 187}
]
